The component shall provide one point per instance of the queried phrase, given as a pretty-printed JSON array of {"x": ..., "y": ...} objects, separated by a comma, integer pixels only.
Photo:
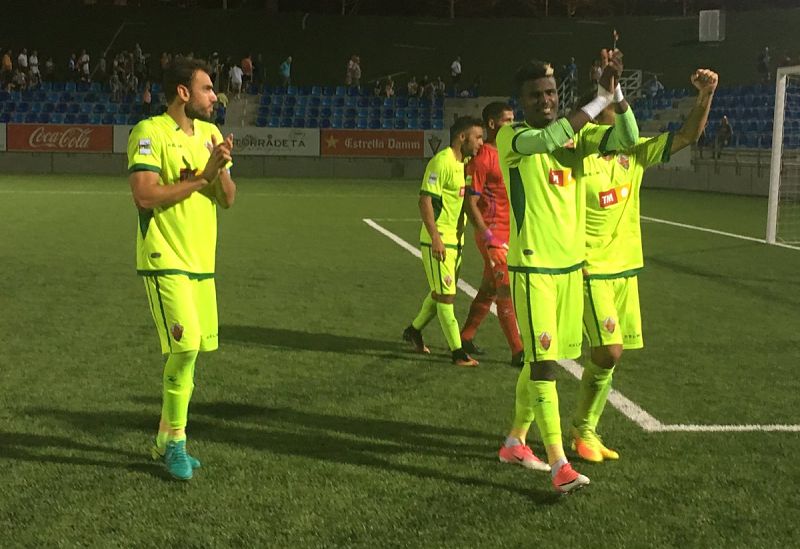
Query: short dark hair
[
  {"x": 494, "y": 110},
  {"x": 532, "y": 70},
  {"x": 179, "y": 72},
  {"x": 462, "y": 124}
]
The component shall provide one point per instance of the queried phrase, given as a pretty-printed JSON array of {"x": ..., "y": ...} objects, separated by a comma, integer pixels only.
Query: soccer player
[
  {"x": 612, "y": 320},
  {"x": 441, "y": 201},
  {"x": 540, "y": 158},
  {"x": 179, "y": 172},
  {"x": 487, "y": 207}
]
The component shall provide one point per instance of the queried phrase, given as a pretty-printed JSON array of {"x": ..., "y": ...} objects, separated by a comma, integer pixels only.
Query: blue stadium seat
[
  {"x": 375, "y": 102},
  {"x": 95, "y": 119},
  {"x": 400, "y": 113},
  {"x": 44, "y": 118},
  {"x": 313, "y": 112},
  {"x": 70, "y": 87},
  {"x": 23, "y": 106},
  {"x": 337, "y": 123},
  {"x": 314, "y": 101},
  {"x": 349, "y": 124},
  {"x": 302, "y": 100},
  {"x": 83, "y": 118},
  {"x": 341, "y": 91},
  {"x": 401, "y": 102},
  {"x": 299, "y": 122},
  {"x": 374, "y": 124},
  {"x": 312, "y": 123},
  {"x": 108, "y": 119},
  {"x": 111, "y": 108},
  {"x": 400, "y": 124},
  {"x": 413, "y": 102},
  {"x": 437, "y": 124},
  {"x": 388, "y": 102},
  {"x": 350, "y": 113},
  {"x": 287, "y": 112},
  {"x": 412, "y": 124},
  {"x": 387, "y": 124},
  {"x": 351, "y": 102},
  {"x": 412, "y": 113},
  {"x": 266, "y": 100},
  {"x": 4, "y": 96},
  {"x": 261, "y": 121},
  {"x": 5, "y": 118},
  {"x": 27, "y": 95},
  {"x": 31, "y": 117},
  {"x": 274, "y": 122},
  {"x": 363, "y": 102},
  {"x": 300, "y": 112},
  {"x": 73, "y": 108},
  {"x": 57, "y": 118},
  {"x": 338, "y": 101},
  {"x": 316, "y": 90},
  {"x": 36, "y": 107},
  {"x": 96, "y": 87},
  {"x": 325, "y": 123},
  {"x": 290, "y": 101},
  {"x": 328, "y": 90},
  {"x": 291, "y": 90},
  {"x": 362, "y": 123},
  {"x": 326, "y": 112},
  {"x": 286, "y": 122},
  {"x": 425, "y": 124},
  {"x": 70, "y": 118},
  {"x": 120, "y": 119},
  {"x": 326, "y": 101},
  {"x": 85, "y": 108},
  {"x": 338, "y": 113},
  {"x": 353, "y": 92},
  {"x": 388, "y": 113}
]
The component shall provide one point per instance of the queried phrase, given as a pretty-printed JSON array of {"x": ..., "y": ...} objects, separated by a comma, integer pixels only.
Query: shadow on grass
[
  {"x": 374, "y": 443},
  {"x": 37, "y": 449},
  {"x": 283, "y": 338}
]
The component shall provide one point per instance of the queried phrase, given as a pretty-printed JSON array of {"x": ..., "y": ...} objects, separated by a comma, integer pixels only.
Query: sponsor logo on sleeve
[
  {"x": 177, "y": 331},
  {"x": 433, "y": 178},
  {"x": 144, "y": 146},
  {"x": 610, "y": 325},
  {"x": 545, "y": 340}
]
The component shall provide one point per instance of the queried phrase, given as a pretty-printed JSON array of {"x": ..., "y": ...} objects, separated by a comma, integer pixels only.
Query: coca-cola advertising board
[{"x": 59, "y": 138}]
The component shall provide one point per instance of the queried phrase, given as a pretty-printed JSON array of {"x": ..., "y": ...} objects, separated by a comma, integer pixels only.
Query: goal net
[{"x": 783, "y": 217}]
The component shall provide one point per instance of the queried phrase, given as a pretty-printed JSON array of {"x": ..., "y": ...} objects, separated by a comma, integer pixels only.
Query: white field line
[
  {"x": 714, "y": 231},
  {"x": 626, "y": 406}
]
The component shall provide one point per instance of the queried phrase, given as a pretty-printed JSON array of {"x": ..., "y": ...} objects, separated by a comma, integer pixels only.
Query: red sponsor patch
[
  {"x": 559, "y": 178},
  {"x": 610, "y": 325},
  {"x": 545, "y": 340},
  {"x": 177, "y": 332},
  {"x": 608, "y": 198}
]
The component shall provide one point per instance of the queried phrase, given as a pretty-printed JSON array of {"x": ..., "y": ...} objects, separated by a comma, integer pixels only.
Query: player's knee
[
  {"x": 607, "y": 356},
  {"x": 543, "y": 370}
]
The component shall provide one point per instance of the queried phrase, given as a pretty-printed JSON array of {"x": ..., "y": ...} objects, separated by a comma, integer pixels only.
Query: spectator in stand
[
  {"x": 115, "y": 85},
  {"x": 439, "y": 87},
  {"x": 101, "y": 71},
  {"x": 72, "y": 67},
  {"x": 763, "y": 64},
  {"x": 83, "y": 66},
  {"x": 34, "y": 75},
  {"x": 285, "y": 70},
  {"x": 428, "y": 89},
  {"x": 19, "y": 82},
  {"x": 413, "y": 87},
  {"x": 724, "y": 136},
  {"x": 214, "y": 66},
  {"x": 475, "y": 91},
  {"x": 595, "y": 72},
  {"x": 654, "y": 87},
  {"x": 147, "y": 100},
  {"x": 247, "y": 70},
  {"x": 131, "y": 83},
  {"x": 22, "y": 61},
  {"x": 6, "y": 70},
  {"x": 388, "y": 87},
  {"x": 235, "y": 75},
  {"x": 352, "y": 75},
  {"x": 49, "y": 69},
  {"x": 455, "y": 73},
  {"x": 378, "y": 89}
]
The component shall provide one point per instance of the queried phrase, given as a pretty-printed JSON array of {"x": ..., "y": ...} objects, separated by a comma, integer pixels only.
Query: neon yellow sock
[
  {"x": 426, "y": 313},
  {"x": 592, "y": 395},
  {"x": 545, "y": 407},
  {"x": 447, "y": 319},
  {"x": 523, "y": 405},
  {"x": 178, "y": 382}
]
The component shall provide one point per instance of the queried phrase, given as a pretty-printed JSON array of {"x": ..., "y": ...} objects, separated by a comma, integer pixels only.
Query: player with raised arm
[
  {"x": 540, "y": 158},
  {"x": 612, "y": 319},
  {"x": 179, "y": 172},
  {"x": 441, "y": 201},
  {"x": 487, "y": 208}
]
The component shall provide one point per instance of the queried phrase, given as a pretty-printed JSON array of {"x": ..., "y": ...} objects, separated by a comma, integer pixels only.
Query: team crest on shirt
[
  {"x": 447, "y": 280},
  {"x": 610, "y": 325},
  {"x": 145, "y": 146},
  {"x": 624, "y": 161},
  {"x": 545, "y": 340},
  {"x": 177, "y": 331}
]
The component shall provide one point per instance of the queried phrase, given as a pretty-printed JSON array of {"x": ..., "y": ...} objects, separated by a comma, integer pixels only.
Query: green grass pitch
[{"x": 315, "y": 425}]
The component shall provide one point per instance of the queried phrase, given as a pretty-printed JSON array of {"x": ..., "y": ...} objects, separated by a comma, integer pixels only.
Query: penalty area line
[{"x": 623, "y": 404}]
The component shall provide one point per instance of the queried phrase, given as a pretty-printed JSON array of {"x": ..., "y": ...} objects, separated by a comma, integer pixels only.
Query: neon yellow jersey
[
  {"x": 181, "y": 238},
  {"x": 613, "y": 185},
  {"x": 548, "y": 203},
  {"x": 444, "y": 182}
]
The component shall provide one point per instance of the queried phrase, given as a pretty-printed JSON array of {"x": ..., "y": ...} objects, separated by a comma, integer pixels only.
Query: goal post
[{"x": 783, "y": 212}]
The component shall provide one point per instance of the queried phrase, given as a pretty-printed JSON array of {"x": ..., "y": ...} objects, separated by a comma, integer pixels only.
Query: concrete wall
[
  {"x": 723, "y": 176},
  {"x": 246, "y": 166}
]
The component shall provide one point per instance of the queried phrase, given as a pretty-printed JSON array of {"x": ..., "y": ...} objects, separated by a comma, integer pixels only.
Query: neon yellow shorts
[
  {"x": 442, "y": 275},
  {"x": 549, "y": 309},
  {"x": 611, "y": 312},
  {"x": 184, "y": 311}
]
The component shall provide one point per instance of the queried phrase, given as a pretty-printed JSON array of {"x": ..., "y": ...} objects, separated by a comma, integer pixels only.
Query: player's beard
[{"x": 195, "y": 114}]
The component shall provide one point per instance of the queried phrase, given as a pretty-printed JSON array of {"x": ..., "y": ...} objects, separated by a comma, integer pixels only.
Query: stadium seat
[
  {"x": 4, "y": 96},
  {"x": 338, "y": 101},
  {"x": 376, "y": 102},
  {"x": 425, "y": 124},
  {"x": 349, "y": 124},
  {"x": 362, "y": 123},
  {"x": 341, "y": 91},
  {"x": 299, "y": 122},
  {"x": 57, "y": 118},
  {"x": 312, "y": 123},
  {"x": 5, "y": 118},
  {"x": 43, "y": 118},
  {"x": 120, "y": 118},
  {"x": 108, "y": 119},
  {"x": 302, "y": 100},
  {"x": 387, "y": 124},
  {"x": 400, "y": 124},
  {"x": 388, "y": 113},
  {"x": 291, "y": 90},
  {"x": 274, "y": 122},
  {"x": 326, "y": 112},
  {"x": 261, "y": 121},
  {"x": 325, "y": 123},
  {"x": 85, "y": 108},
  {"x": 412, "y": 124},
  {"x": 326, "y": 101},
  {"x": 9, "y": 106},
  {"x": 374, "y": 124},
  {"x": 313, "y": 112},
  {"x": 23, "y": 106},
  {"x": 300, "y": 111},
  {"x": 328, "y": 90},
  {"x": 36, "y": 107},
  {"x": 400, "y": 113},
  {"x": 388, "y": 102},
  {"x": 350, "y": 113},
  {"x": 286, "y": 122},
  {"x": 437, "y": 124},
  {"x": 31, "y": 118},
  {"x": 401, "y": 102},
  {"x": 70, "y": 118},
  {"x": 82, "y": 118},
  {"x": 265, "y": 100},
  {"x": 314, "y": 101},
  {"x": 70, "y": 87},
  {"x": 316, "y": 90},
  {"x": 290, "y": 101},
  {"x": 337, "y": 123},
  {"x": 95, "y": 118}
]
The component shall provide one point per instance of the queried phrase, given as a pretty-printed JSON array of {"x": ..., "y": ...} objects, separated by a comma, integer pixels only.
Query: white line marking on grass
[
  {"x": 714, "y": 231},
  {"x": 626, "y": 406}
]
